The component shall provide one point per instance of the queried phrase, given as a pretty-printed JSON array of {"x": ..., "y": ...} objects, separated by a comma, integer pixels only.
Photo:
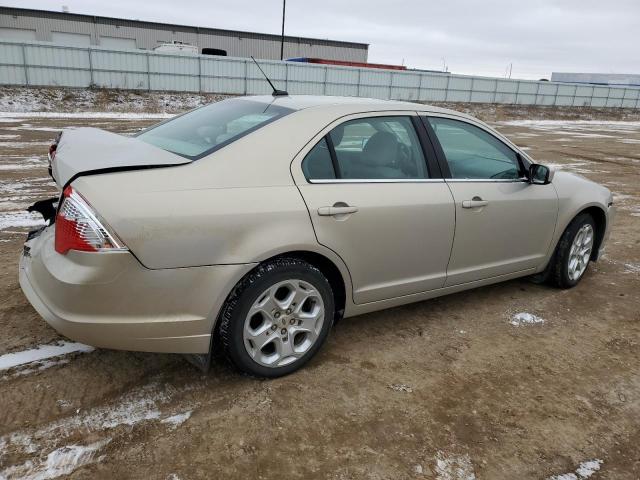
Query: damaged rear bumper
[{"x": 110, "y": 300}]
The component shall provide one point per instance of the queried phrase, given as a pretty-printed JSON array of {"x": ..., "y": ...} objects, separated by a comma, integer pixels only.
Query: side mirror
[{"x": 540, "y": 174}]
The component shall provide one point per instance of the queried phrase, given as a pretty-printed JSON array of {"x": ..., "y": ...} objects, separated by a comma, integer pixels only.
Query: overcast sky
[{"x": 474, "y": 37}]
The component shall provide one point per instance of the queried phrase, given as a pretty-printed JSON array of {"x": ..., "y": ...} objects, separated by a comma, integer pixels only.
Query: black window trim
[
  {"x": 442, "y": 160},
  {"x": 433, "y": 166},
  {"x": 428, "y": 153},
  {"x": 337, "y": 173}
]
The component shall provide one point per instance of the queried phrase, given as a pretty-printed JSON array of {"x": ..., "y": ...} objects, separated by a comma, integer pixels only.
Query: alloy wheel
[
  {"x": 283, "y": 323},
  {"x": 580, "y": 252}
]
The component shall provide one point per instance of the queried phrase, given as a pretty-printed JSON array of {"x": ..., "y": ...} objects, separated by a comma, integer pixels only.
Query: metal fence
[{"x": 45, "y": 64}]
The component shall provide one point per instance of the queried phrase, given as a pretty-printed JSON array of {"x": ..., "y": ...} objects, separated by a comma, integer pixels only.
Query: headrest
[{"x": 381, "y": 148}]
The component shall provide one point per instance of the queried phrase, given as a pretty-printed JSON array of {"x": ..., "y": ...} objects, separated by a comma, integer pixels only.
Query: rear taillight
[{"x": 78, "y": 227}]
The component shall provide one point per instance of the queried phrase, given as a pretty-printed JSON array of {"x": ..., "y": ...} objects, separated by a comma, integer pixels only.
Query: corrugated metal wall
[
  {"x": 40, "y": 64},
  {"x": 147, "y": 35}
]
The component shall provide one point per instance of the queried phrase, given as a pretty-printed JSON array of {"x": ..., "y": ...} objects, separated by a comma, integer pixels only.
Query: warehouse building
[{"x": 19, "y": 24}]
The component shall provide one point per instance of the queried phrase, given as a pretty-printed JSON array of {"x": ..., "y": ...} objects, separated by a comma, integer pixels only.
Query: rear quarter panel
[
  {"x": 207, "y": 226},
  {"x": 238, "y": 205}
]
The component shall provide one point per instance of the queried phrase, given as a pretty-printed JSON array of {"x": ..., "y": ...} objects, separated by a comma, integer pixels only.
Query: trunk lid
[{"x": 92, "y": 150}]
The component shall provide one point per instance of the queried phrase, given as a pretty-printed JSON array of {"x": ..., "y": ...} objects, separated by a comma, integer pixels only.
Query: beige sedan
[{"x": 251, "y": 225}]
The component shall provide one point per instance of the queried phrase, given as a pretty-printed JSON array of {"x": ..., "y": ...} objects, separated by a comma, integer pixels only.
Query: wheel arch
[
  {"x": 600, "y": 218},
  {"x": 329, "y": 269},
  {"x": 336, "y": 273}
]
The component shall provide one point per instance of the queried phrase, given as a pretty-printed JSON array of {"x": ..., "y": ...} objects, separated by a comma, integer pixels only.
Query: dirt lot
[{"x": 446, "y": 389}]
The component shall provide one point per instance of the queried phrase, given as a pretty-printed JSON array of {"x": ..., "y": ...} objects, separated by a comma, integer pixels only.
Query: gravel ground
[{"x": 459, "y": 387}]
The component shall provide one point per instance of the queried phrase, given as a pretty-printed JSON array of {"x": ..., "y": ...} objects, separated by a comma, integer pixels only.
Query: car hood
[{"x": 87, "y": 150}]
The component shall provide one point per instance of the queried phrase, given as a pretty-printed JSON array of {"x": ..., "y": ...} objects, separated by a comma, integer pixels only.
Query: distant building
[
  {"x": 21, "y": 24},
  {"x": 613, "y": 79}
]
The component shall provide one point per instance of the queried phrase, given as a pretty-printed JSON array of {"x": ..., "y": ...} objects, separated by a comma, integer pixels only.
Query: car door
[
  {"x": 504, "y": 224},
  {"x": 376, "y": 197}
]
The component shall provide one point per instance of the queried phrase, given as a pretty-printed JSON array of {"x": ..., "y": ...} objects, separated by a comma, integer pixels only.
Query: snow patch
[
  {"x": 572, "y": 123},
  {"x": 591, "y": 135},
  {"x": 62, "y": 461},
  {"x": 454, "y": 467},
  {"x": 525, "y": 134},
  {"x": 525, "y": 318},
  {"x": 175, "y": 421},
  {"x": 588, "y": 468},
  {"x": 15, "y": 116},
  {"x": 16, "y": 359},
  {"x": 575, "y": 167},
  {"x": 631, "y": 268},
  {"x": 31, "y": 187},
  {"x": 401, "y": 387},
  {"x": 132, "y": 408},
  {"x": 22, "y": 144},
  {"x": 36, "y": 367},
  {"x": 31, "y": 128},
  {"x": 585, "y": 470},
  {"x": 18, "y": 166}
]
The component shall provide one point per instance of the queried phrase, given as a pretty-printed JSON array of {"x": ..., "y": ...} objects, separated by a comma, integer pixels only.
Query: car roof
[{"x": 356, "y": 104}]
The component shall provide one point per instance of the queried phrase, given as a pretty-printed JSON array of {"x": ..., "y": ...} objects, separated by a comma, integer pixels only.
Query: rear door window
[
  {"x": 380, "y": 148},
  {"x": 317, "y": 165}
]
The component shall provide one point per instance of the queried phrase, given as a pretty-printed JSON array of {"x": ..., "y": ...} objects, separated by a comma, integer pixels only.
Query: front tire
[
  {"x": 277, "y": 318},
  {"x": 574, "y": 251}
]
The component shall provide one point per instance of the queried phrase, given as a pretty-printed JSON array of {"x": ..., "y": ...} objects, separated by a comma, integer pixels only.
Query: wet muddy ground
[{"x": 452, "y": 388}]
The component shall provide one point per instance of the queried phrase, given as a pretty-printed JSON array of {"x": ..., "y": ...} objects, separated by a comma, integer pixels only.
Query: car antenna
[{"x": 276, "y": 92}]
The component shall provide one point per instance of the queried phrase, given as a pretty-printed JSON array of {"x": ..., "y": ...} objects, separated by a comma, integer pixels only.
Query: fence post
[
  {"x": 199, "y": 74},
  {"x": 246, "y": 76},
  {"x": 537, "y": 94},
  {"x": 358, "y": 87},
  {"x": 24, "y": 63},
  {"x": 446, "y": 88},
  {"x": 91, "y": 82},
  {"x": 495, "y": 91},
  {"x": 286, "y": 76},
  {"x": 555, "y": 96},
  {"x": 148, "y": 73},
  {"x": 324, "y": 82},
  {"x": 418, "y": 97},
  {"x": 390, "y": 85},
  {"x": 575, "y": 93},
  {"x": 473, "y": 83}
]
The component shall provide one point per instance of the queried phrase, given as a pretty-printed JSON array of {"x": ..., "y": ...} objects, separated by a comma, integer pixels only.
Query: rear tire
[
  {"x": 276, "y": 318},
  {"x": 573, "y": 253}
]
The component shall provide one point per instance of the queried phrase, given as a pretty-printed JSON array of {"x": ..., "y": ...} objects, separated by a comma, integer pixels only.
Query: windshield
[{"x": 204, "y": 130}]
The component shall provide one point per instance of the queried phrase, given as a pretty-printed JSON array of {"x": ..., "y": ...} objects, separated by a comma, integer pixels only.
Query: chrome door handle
[
  {"x": 331, "y": 211},
  {"x": 475, "y": 203}
]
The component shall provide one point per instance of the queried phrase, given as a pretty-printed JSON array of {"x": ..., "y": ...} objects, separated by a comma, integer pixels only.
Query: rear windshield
[{"x": 202, "y": 131}]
